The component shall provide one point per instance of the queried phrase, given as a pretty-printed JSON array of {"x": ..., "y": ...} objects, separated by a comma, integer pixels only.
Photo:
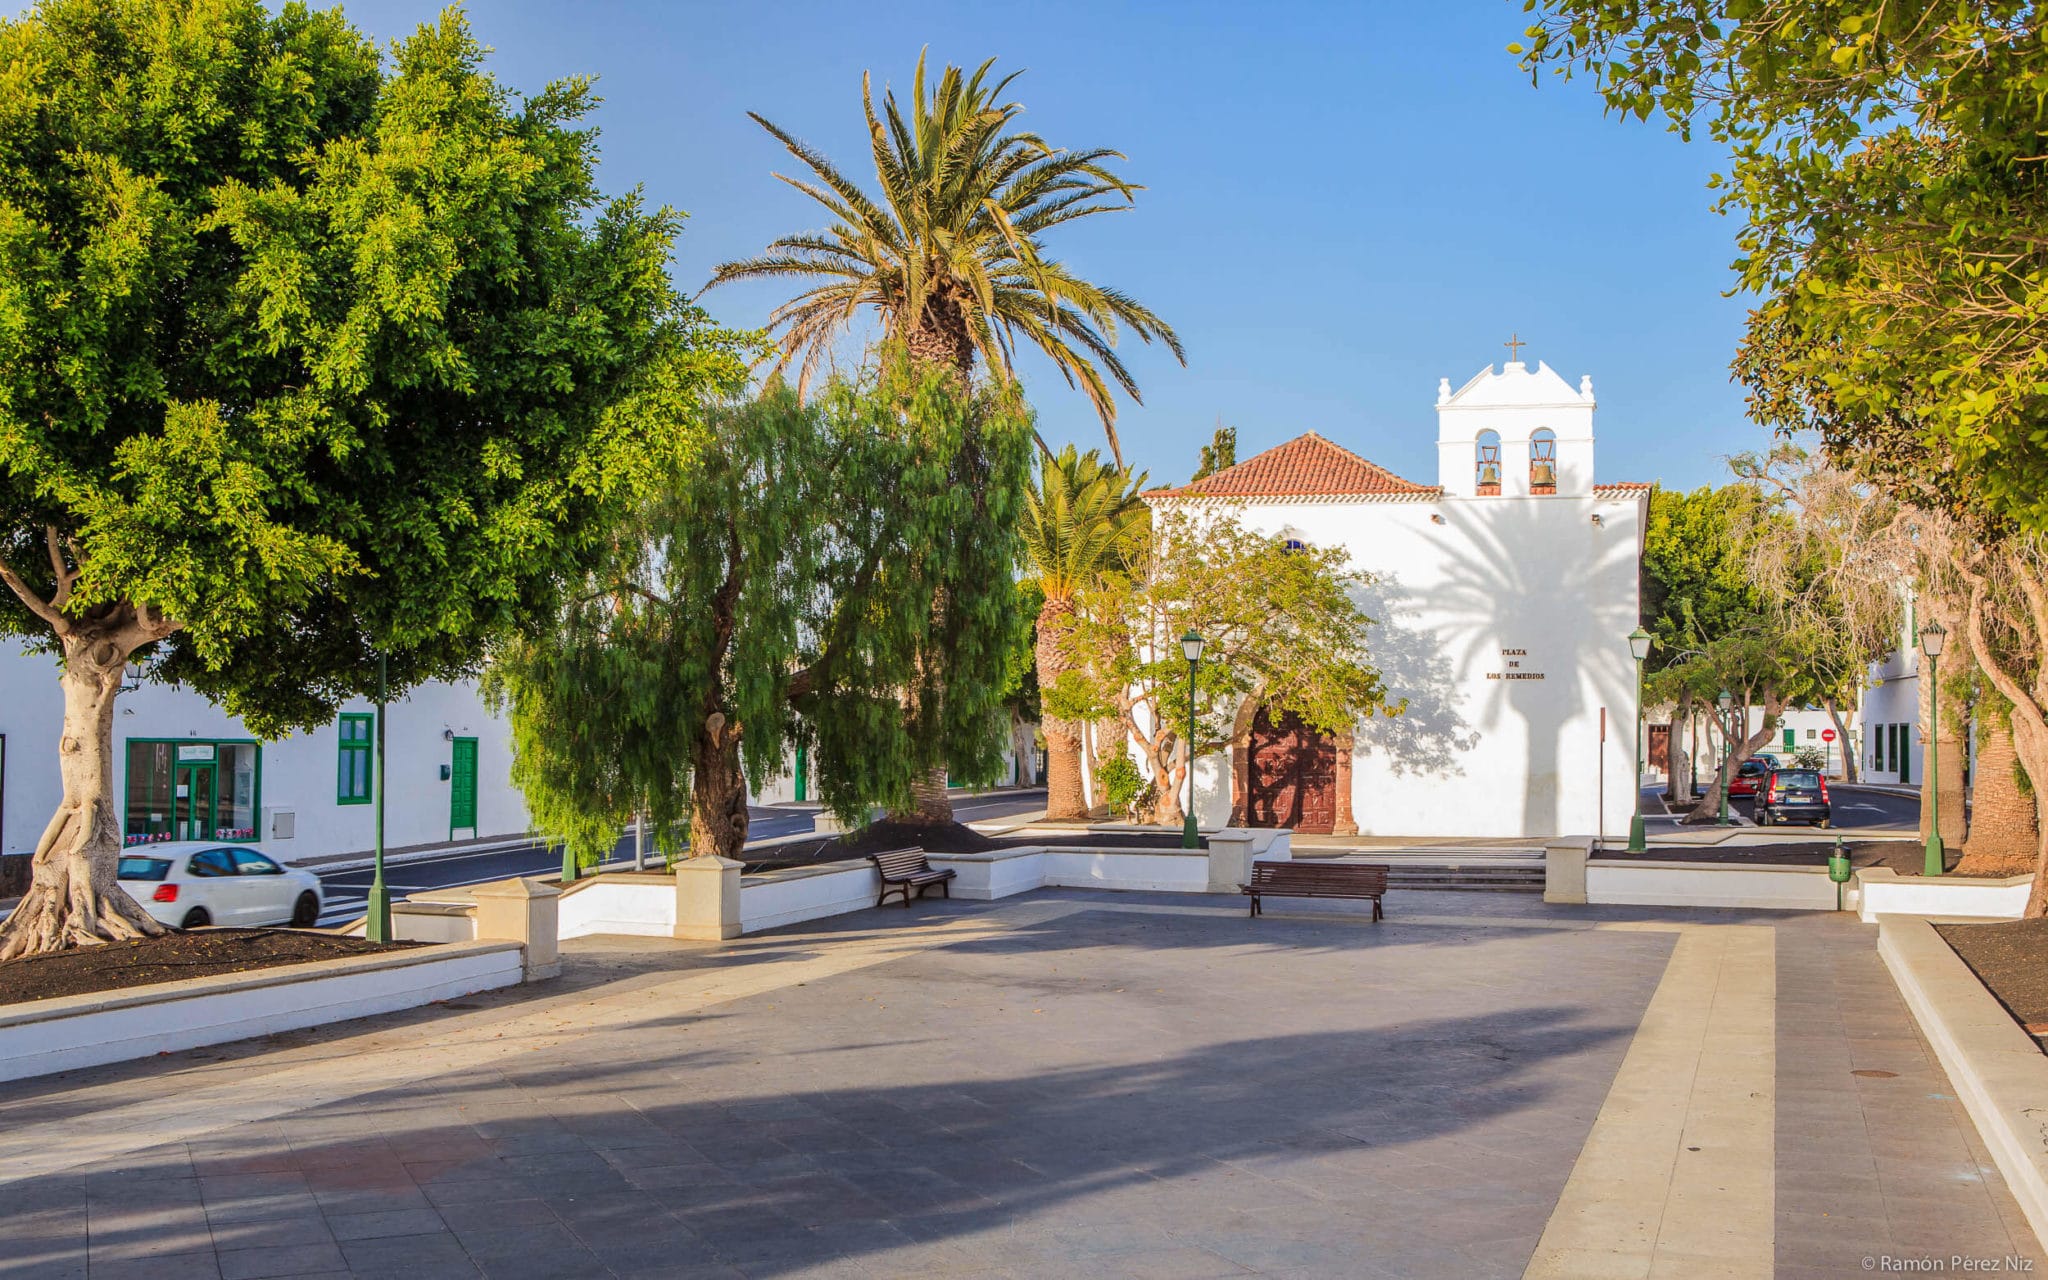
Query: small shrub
[
  {"x": 1810, "y": 758},
  {"x": 1123, "y": 787}
]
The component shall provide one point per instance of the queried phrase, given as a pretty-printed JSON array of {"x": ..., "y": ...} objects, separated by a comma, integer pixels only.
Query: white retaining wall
[
  {"x": 1886, "y": 892},
  {"x": 639, "y": 905},
  {"x": 115, "y": 1026},
  {"x": 1699, "y": 884},
  {"x": 795, "y": 894}
]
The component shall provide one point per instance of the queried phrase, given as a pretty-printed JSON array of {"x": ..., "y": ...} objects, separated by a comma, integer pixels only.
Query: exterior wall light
[
  {"x": 1436, "y": 519},
  {"x": 1598, "y": 519}
]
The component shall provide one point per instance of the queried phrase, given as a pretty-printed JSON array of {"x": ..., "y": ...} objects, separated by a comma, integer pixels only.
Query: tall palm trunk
[
  {"x": 1065, "y": 796},
  {"x": 2004, "y": 832}
]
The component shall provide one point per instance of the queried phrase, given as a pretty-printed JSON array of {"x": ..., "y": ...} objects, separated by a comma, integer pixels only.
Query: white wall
[
  {"x": 298, "y": 773},
  {"x": 1475, "y": 754}
]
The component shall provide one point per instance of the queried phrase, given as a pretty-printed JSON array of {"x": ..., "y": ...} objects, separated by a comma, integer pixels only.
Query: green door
[
  {"x": 192, "y": 806},
  {"x": 1902, "y": 751},
  {"x": 803, "y": 769},
  {"x": 462, "y": 794}
]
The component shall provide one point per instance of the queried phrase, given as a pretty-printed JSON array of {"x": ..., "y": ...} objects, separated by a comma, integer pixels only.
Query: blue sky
[{"x": 1344, "y": 202}]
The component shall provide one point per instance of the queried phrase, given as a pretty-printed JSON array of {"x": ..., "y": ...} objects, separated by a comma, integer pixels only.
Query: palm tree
[
  {"x": 951, "y": 252},
  {"x": 1081, "y": 518}
]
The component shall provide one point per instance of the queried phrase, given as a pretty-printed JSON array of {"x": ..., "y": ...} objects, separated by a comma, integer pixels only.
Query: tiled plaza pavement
[{"x": 1063, "y": 1085}]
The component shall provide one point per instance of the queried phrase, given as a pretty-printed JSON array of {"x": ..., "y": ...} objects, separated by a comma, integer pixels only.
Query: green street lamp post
[
  {"x": 377, "y": 927},
  {"x": 1725, "y": 702},
  {"x": 1639, "y": 648},
  {"x": 1191, "y": 646},
  {"x": 1932, "y": 637}
]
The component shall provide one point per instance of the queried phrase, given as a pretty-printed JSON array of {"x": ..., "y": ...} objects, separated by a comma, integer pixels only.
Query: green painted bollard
[{"x": 1838, "y": 870}]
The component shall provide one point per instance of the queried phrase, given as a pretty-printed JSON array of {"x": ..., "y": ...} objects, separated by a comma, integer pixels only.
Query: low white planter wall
[
  {"x": 1996, "y": 1068},
  {"x": 115, "y": 1026},
  {"x": 997, "y": 874},
  {"x": 1161, "y": 871},
  {"x": 642, "y": 905},
  {"x": 1886, "y": 892},
  {"x": 1709, "y": 884},
  {"x": 775, "y": 898},
  {"x": 1003, "y": 872}
]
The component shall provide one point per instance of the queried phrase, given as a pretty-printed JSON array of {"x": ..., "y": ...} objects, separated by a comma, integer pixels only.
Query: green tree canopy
[
  {"x": 305, "y": 355},
  {"x": 780, "y": 589},
  {"x": 1887, "y": 162}
]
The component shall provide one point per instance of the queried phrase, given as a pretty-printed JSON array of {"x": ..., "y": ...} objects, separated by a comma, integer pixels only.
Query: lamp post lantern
[
  {"x": 1639, "y": 648},
  {"x": 1191, "y": 646},
  {"x": 1932, "y": 637},
  {"x": 1725, "y": 701}
]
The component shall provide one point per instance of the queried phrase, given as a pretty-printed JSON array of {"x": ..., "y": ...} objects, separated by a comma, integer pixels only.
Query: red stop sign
[{"x": 1827, "y": 735}]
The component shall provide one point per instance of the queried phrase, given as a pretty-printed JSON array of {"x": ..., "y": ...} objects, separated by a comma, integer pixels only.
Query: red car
[{"x": 1751, "y": 775}]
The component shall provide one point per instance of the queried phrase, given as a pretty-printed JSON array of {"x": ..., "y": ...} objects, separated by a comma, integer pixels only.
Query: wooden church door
[{"x": 1293, "y": 775}]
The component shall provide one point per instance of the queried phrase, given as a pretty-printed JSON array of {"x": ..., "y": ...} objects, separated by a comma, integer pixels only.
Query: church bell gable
[{"x": 1517, "y": 432}]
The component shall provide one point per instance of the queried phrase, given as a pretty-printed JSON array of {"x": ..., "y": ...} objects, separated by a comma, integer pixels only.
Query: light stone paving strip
[
  {"x": 1677, "y": 1177},
  {"x": 423, "y": 1052}
]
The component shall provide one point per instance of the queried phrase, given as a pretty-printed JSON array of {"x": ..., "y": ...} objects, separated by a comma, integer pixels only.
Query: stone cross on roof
[{"x": 1514, "y": 344}]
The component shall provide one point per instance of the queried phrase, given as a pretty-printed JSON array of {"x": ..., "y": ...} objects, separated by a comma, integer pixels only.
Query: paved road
[
  {"x": 347, "y": 891},
  {"x": 1854, "y": 808}
]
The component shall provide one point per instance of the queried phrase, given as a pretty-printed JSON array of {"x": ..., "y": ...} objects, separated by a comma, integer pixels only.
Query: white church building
[{"x": 1504, "y": 594}]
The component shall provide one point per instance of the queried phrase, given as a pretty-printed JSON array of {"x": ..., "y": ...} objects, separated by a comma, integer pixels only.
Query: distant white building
[
  {"x": 1890, "y": 710},
  {"x": 186, "y": 770},
  {"x": 1505, "y": 593}
]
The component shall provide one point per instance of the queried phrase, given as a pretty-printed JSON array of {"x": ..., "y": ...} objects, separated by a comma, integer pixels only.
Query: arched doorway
[{"x": 1293, "y": 775}]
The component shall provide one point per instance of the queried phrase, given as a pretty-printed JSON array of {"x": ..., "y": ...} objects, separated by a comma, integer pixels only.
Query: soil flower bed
[
  {"x": 2010, "y": 957},
  {"x": 201, "y": 953},
  {"x": 1906, "y": 857},
  {"x": 883, "y": 836}
]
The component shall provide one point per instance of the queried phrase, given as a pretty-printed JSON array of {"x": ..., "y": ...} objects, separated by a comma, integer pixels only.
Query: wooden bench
[
  {"x": 1358, "y": 880},
  {"x": 905, "y": 869}
]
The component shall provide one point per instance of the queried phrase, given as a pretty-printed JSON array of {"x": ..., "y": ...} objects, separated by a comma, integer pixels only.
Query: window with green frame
[{"x": 352, "y": 773}]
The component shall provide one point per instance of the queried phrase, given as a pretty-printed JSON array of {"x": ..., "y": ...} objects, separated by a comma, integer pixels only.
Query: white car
[{"x": 190, "y": 883}]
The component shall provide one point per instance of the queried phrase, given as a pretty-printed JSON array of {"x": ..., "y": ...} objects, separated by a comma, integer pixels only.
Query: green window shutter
[{"x": 352, "y": 769}]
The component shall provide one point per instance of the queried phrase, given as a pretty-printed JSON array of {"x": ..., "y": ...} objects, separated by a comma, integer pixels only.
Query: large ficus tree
[{"x": 306, "y": 356}]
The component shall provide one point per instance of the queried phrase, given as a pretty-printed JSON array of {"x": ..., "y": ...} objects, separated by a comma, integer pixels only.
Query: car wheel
[
  {"x": 196, "y": 918},
  {"x": 306, "y": 911}
]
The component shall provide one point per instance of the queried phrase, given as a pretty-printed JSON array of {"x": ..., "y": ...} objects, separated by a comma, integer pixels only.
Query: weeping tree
[
  {"x": 781, "y": 591},
  {"x": 304, "y": 358}
]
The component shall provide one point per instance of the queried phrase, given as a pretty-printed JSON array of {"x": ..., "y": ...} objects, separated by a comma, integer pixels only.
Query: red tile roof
[
  {"x": 1306, "y": 466},
  {"x": 1624, "y": 486}
]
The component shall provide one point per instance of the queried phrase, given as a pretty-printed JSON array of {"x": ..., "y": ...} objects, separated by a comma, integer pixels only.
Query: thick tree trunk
[
  {"x": 930, "y": 806},
  {"x": 74, "y": 898},
  {"x": 718, "y": 792},
  {"x": 2004, "y": 834},
  {"x": 1850, "y": 769},
  {"x": 2030, "y": 741},
  {"x": 1065, "y": 797},
  {"x": 1709, "y": 809},
  {"x": 1675, "y": 760},
  {"x": 1110, "y": 738}
]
